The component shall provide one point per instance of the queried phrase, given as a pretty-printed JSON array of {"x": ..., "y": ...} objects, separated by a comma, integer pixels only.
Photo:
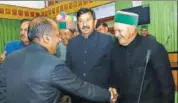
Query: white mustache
[{"x": 120, "y": 36}]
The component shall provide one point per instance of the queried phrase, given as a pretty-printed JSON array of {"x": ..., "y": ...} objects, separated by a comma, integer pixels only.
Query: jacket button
[{"x": 85, "y": 51}]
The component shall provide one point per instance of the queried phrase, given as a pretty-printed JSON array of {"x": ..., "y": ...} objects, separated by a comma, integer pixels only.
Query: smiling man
[
  {"x": 140, "y": 66},
  {"x": 18, "y": 44}
]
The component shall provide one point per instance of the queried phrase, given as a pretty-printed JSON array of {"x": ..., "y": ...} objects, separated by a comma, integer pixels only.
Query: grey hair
[{"x": 40, "y": 26}]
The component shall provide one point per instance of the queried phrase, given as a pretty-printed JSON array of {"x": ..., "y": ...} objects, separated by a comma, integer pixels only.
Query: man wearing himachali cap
[
  {"x": 144, "y": 32},
  {"x": 140, "y": 66},
  {"x": 66, "y": 26}
]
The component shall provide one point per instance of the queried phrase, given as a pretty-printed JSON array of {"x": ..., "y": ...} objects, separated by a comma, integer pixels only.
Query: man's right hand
[
  {"x": 114, "y": 95},
  {"x": 3, "y": 56}
]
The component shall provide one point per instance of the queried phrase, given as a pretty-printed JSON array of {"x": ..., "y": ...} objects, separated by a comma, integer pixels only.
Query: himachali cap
[
  {"x": 144, "y": 27},
  {"x": 126, "y": 18},
  {"x": 64, "y": 21},
  {"x": 62, "y": 25}
]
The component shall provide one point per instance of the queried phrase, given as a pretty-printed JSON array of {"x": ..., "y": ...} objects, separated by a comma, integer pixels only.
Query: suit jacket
[
  {"x": 151, "y": 37},
  {"x": 129, "y": 63},
  {"x": 89, "y": 58},
  {"x": 32, "y": 75}
]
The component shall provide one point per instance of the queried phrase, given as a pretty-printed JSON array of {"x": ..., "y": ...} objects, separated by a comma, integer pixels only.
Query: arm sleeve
[
  {"x": 65, "y": 80},
  {"x": 2, "y": 85},
  {"x": 68, "y": 60},
  {"x": 163, "y": 70}
]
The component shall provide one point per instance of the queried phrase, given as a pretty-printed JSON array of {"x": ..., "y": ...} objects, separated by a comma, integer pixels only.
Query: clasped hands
[{"x": 114, "y": 95}]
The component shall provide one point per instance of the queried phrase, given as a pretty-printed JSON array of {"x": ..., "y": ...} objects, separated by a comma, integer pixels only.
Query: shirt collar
[
  {"x": 23, "y": 45},
  {"x": 90, "y": 36},
  {"x": 37, "y": 47}
]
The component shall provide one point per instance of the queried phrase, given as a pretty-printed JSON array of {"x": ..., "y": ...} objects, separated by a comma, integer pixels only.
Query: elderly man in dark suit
[
  {"x": 140, "y": 66},
  {"x": 35, "y": 75}
]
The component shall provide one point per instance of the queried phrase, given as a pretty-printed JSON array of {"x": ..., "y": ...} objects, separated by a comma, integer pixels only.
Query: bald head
[{"x": 44, "y": 31}]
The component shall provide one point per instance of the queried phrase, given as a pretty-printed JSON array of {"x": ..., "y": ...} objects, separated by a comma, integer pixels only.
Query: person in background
[
  {"x": 140, "y": 66},
  {"x": 144, "y": 32},
  {"x": 103, "y": 28},
  {"x": 66, "y": 26},
  {"x": 66, "y": 34},
  {"x": 36, "y": 75},
  {"x": 87, "y": 53},
  {"x": 24, "y": 41},
  {"x": 75, "y": 32},
  {"x": 19, "y": 44}
]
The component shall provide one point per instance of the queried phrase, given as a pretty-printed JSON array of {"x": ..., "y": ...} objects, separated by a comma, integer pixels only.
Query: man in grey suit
[{"x": 35, "y": 75}]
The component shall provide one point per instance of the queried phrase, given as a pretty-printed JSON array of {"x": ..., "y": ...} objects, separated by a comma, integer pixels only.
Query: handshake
[{"x": 114, "y": 95}]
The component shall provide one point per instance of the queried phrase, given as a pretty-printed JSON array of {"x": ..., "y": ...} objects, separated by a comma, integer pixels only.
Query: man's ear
[{"x": 46, "y": 38}]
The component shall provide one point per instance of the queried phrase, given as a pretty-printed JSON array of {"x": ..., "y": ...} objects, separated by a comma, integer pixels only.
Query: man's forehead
[
  {"x": 144, "y": 29},
  {"x": 121, "y": 25},
  {"x": 25, "y": 24},
  {"x": 101, "y": 26},
  {"x": 83, "y": 16},
  {"x": 64, "y": 30}
]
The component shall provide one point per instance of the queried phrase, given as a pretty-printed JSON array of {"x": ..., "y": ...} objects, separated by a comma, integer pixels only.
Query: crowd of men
[{"x": 90, "y": 66}]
